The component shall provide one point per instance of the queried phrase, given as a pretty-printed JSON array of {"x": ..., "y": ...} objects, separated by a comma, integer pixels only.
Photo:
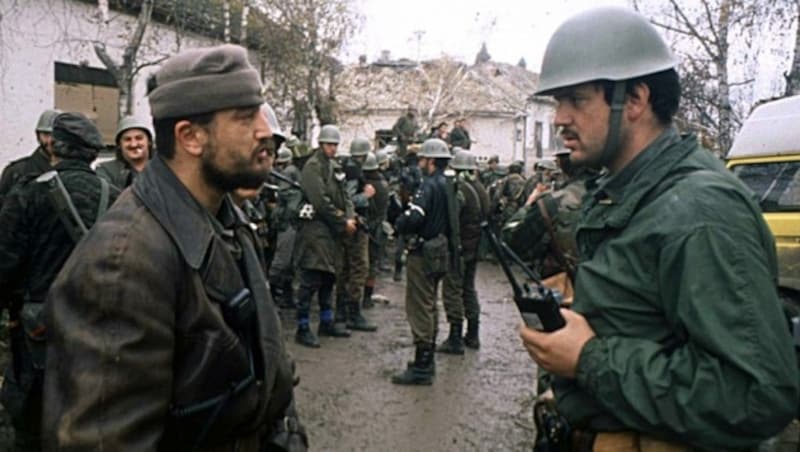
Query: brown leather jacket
[{"x": 139, "y": 353}]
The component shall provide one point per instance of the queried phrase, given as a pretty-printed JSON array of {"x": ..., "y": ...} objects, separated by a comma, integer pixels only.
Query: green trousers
[
  {"x": 421, "y": 292},
  {"x": 459, "y": 294}
]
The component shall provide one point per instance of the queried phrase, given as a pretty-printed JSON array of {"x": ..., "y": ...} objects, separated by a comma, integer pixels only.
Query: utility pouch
[
  {"x": 436, "y": 254},
  {"x": 34, "y": 333},
  {"x": 553, "y": 432},
  {"x": 239, "y": 311}
]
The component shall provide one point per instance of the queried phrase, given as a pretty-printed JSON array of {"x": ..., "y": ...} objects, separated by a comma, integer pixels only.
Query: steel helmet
[
  {"x": 371, "y": 162},
  {"x": 545, "y": 165},
  {"x": 464, "y": 160},
  {"x": 132, "y": 122},
  {"x": 272, "y": 120},
  {"x": 515, "y": 167},
  {"x": 329, "y": 134},
  {"x": 382, "y": 156},
  {"x": 607, "y": 43},
  {"x": 434, "y": 148},
  {"x": 360, "y": 146},
  {"x": 342, "y": 152},
  {"x": 45, "y": 122},
  {"x": 284, "y": 155}
]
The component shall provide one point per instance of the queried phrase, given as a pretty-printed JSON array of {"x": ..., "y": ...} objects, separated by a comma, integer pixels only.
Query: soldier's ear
[{"x": 191, "y": 138}]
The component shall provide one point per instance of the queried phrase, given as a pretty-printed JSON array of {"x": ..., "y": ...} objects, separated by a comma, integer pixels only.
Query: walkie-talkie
[{"x": 539, "y": 308}]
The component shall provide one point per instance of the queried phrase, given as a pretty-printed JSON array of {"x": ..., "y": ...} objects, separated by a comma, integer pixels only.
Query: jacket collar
[
  {"x": 622, "y": 192},
  {"x": 186, "y": 221}
]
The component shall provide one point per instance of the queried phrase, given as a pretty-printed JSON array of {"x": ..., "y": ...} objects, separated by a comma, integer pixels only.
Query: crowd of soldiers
[{"x": 144, "y": 295}]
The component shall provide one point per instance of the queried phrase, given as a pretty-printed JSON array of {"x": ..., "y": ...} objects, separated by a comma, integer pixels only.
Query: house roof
[{"x": 437, "y": 88}]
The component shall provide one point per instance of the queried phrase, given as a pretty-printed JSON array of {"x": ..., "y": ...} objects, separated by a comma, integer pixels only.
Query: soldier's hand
[
  {"x": 558, "y": 352},
  {"x": 369, "y": 191},
  {"x": 538, "y": 191},
  {"x": 351, "y": 226}
]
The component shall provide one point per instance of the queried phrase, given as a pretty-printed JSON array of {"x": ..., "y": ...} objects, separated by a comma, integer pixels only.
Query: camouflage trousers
[
  {"x": 459, "y": 294},
  {"x": 421, "y": 293},
  {"x": 350, "y": 281}
]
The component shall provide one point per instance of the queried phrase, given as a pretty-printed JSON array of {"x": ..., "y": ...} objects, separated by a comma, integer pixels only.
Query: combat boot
[
  {"x": 421, "y": 372},
  {"x": 453, "y": 345},
  {"x": 471, "y": 339},
  {"x": 367, "y": 303},
  {"x": 357, "y": 322},
  {"x": 332, "y": 329},
  {"x": 305, "y": 337}
]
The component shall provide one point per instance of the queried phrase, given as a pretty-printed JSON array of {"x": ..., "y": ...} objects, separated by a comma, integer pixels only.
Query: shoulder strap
[
  {"x": 63, "y": 205},
  {"x": 102, "y": 205}
]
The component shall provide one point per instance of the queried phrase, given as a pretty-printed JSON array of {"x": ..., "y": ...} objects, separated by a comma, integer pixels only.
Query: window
[{"x": 776, "y": 184}]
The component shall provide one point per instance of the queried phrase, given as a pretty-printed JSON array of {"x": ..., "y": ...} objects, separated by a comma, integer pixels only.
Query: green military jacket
[
  {"x": 33, "y": 165},
  {"x": 117, "y": 172},
  {"x": 319, "y": 240},
  {"x": 678, "y": 279}
]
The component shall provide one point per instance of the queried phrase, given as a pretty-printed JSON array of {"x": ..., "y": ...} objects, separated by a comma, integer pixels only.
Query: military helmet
[
  {"x": 132, "y": 122},
  {"x": 329, "y": 134},
  {"x": 272, "y": 120},
  {"x": 284, "y": 155},
  {"x": 434, "y": 148},
  {"x": 343, "y": 152},
  {"x": 515, "y": 167},
  {"x": 382, "y": 156},
  {"x": 292, "y": 141},
  {"x": 464, "y": 161},
  {"x": 45, "y": 122},
  {"x": 615, "y": 44},
  {"x": 545, "y": 165},
  {"x": 370, "y": 163},
  {"x": 360, "y": 146}
]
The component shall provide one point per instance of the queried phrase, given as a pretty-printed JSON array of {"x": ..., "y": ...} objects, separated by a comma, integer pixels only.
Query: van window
[{"x": 777, "y": 184}]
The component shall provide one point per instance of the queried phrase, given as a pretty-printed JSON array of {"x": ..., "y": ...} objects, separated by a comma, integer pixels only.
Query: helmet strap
[{"x": 611, "y": 149}]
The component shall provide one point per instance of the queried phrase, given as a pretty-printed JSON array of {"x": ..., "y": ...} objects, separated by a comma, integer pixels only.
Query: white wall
[
  {"x": 35, "y": 34},
  {"x": 490, "y": 135}
]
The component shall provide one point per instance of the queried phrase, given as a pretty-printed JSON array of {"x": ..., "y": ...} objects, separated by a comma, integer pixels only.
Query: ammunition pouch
[{"x": 436, "y": 253}]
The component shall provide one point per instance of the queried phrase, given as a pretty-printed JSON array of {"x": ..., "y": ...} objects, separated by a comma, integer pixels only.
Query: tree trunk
[
  {"x": 226, "y": 18},
  {"x": 725, "y": 108},
  {"x": 243, "y": 32},
  {"x": 793, "y": 76}
]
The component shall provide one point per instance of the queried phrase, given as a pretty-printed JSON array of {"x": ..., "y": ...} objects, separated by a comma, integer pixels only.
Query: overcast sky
[{"x": 510, "y": 28}]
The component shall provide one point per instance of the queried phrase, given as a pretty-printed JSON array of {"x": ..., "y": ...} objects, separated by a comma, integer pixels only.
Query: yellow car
[{"x": 766, "y": 156}]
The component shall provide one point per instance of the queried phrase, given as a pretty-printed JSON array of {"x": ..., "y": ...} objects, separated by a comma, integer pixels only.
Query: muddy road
[{"x": 479, "y": 401}]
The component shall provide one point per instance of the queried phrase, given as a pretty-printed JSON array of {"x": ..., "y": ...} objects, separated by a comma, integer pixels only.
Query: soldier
[
  {"x": 459, "y": 136},
  {"x": 161, "y": 331},
  {"x": 36, "y": 163},
  {"x": 35, "y": 242},
  {"x": 353, "y": 277},
  {"x": 507, "y": 195},
  {"x": 408, "y": 182},
  {"x": 427, "y": 226},
  {"x": 134, "y": 142},
  {"x": 376, "y": 216},
  {"x": 329, "y": 220},
  {"x": 458, "y": 288},
  {"x": 491, "y": 173},
  {"x": 284, "y": 222},
  {"x": 405, "y": 129},
  {"x": 676, "y": 338}
]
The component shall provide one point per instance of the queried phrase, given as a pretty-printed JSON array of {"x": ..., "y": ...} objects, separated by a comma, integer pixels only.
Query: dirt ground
[{"x": 479, "y": 401}]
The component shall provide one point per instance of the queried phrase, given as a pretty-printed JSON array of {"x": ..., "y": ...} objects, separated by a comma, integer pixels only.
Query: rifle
[
  {"x": 283, "y": 178},
  {"x": 452, "y": 216},
  {"x": 539, "y": 308}
]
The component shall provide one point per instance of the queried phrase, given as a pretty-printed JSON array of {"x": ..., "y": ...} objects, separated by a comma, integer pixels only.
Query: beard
[{"x": 228, "y": 180}]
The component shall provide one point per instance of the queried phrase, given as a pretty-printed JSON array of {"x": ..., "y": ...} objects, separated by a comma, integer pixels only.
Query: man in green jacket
[
  {"x": 134, "y": 142},
  {"x": 676, "y": 333},
  {"x": 319, "y": 237},
  {"x": 36, "y": 163}
]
